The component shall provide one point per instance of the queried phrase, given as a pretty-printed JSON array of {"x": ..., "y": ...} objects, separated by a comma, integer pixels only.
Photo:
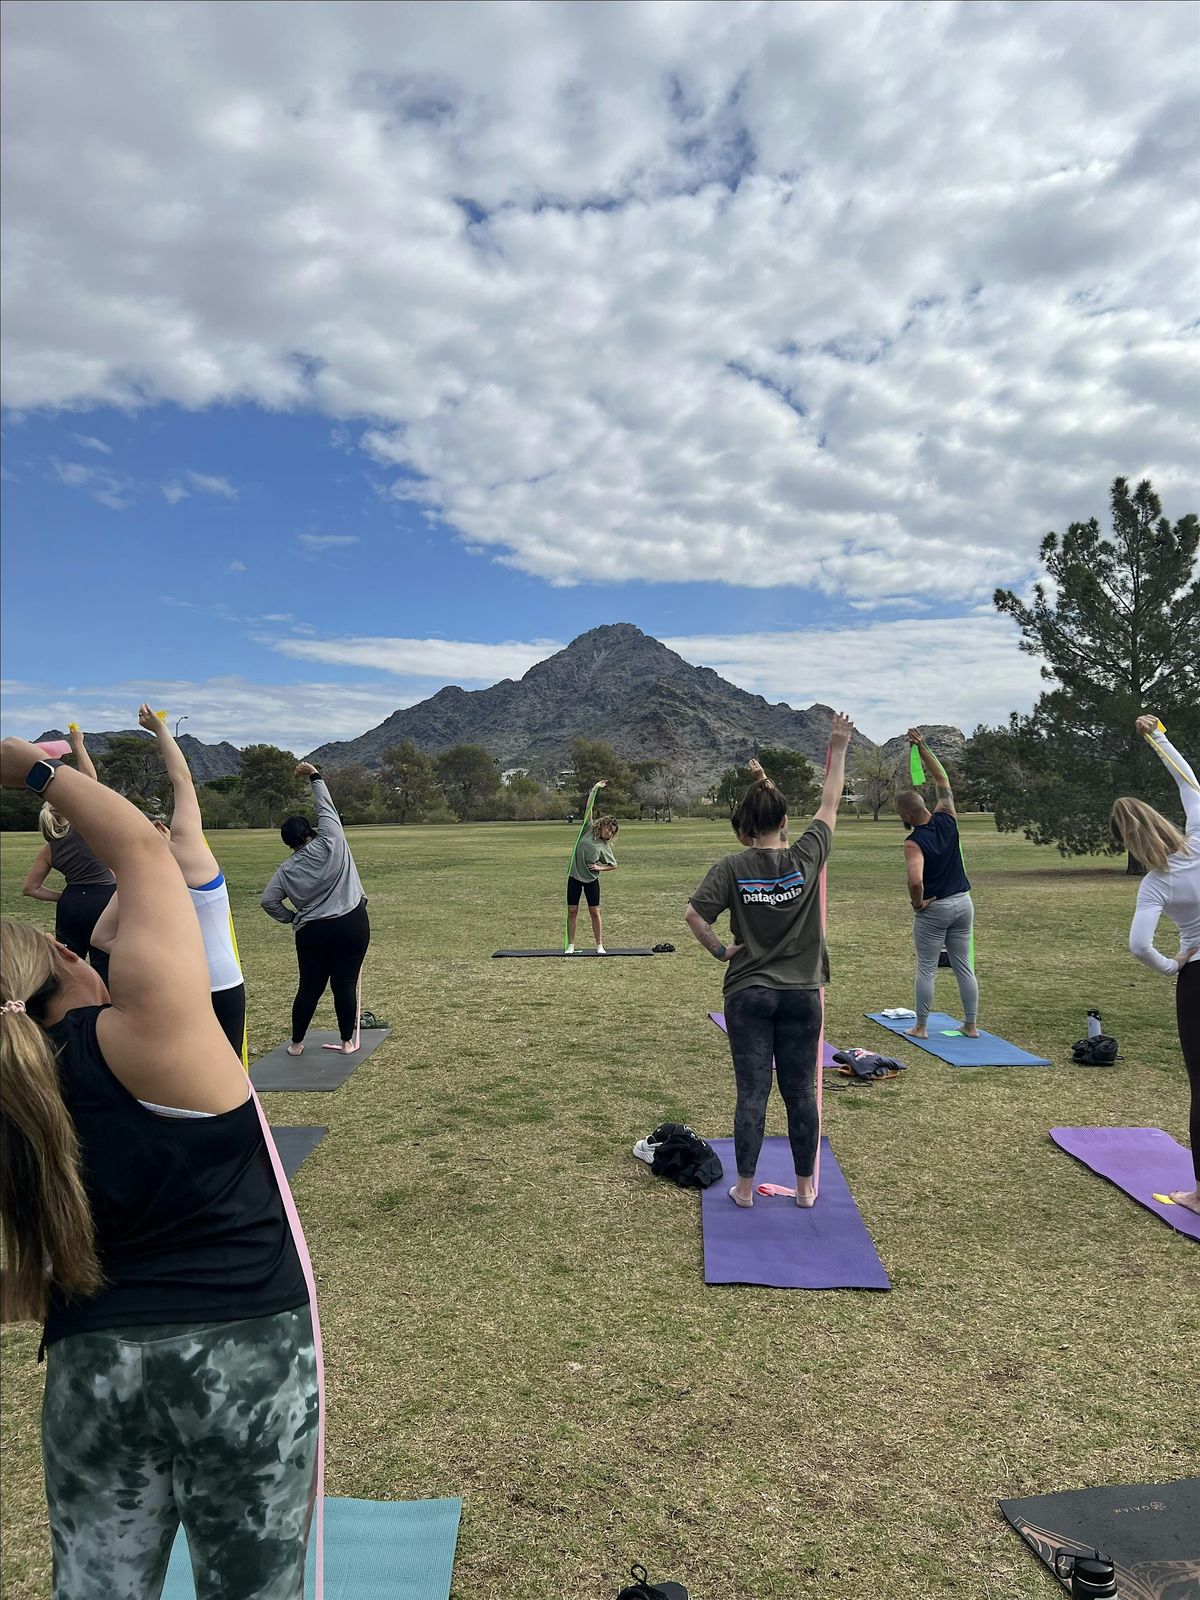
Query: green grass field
[{"x": 513, "y": 1306}]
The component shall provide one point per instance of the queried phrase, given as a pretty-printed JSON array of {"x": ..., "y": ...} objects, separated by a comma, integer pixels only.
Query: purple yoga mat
[
  {"x": 1142, "y": 1161},
  {"x": 777, "y": 1244},
  {"x": 826, "y": 1050}
]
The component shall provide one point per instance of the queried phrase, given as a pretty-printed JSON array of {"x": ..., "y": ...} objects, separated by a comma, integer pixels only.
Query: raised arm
[
  {"x": 941, "y": 783},
  {"x": 835, "y": 778},
  {"x": 328, "y": 820},
  {"x": 35, "y": 879},
  {"x": 1189, "y": 785},
  {"x": 196, "y": 860},
  {"x": 79, "y": 750},
  {"x": 160, "y": 1035}
]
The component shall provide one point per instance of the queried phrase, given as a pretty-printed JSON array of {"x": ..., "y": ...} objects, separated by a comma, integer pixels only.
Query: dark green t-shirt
[
  {"x": 586, "y": 851},
  {"x": 774, "y": 903}
]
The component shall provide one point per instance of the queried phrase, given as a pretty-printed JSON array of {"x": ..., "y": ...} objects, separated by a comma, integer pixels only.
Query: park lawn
[{"x": 513, "y": 1306}]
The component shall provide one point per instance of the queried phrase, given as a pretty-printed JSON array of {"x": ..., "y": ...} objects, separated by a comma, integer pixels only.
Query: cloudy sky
[{"x": 351, "y": 349}]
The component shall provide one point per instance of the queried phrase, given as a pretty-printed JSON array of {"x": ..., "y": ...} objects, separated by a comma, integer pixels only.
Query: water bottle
[
  {"x": 1091, "y": 1575},
  {"x": 1094, "y": 1027}
]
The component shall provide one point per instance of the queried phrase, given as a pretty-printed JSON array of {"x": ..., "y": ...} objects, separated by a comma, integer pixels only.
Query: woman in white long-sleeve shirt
[{"x": 1171, "y": 887}]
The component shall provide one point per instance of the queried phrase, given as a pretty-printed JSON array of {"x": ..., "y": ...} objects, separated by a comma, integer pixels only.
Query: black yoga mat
[
  {"x": 317, "y": 1069},
  {"x": 295, "y": 1145},
  {"x": 1150, "y": 1531},
  {"x": 563, "y": 956}
]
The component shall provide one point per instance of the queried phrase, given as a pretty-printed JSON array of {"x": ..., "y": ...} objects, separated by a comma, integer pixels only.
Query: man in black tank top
[{"x": 943, "y": 911}]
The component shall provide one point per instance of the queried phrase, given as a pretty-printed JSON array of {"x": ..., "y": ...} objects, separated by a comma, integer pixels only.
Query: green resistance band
[
  {"x": 587, "y": 817},
  {"x": 916, "y": 772}
]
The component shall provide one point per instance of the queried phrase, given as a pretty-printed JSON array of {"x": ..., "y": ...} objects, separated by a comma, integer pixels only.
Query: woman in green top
[
  {"x": 592, "y": 857},
  {"x": 776, "y": 965}
]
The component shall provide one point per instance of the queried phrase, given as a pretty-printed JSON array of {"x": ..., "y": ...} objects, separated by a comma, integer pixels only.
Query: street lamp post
[{"x": 178, "y": 720}]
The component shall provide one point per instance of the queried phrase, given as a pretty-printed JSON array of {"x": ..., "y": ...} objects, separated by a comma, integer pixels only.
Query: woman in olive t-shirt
[{"x": 776, "y": 965}]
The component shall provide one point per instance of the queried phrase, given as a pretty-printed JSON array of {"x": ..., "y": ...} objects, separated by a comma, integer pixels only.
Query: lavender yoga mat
[
  {"x": 826, "y": 1052},
  {"x": 1141, "y": 1161},
  {"x": 777, "y": 1244}
]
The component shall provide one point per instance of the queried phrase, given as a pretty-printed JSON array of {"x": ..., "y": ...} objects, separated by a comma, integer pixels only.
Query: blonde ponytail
[
  {"x": 1146, "y": 833},
  {"x": 45, "y": 1217},
  {"x": 53, "y": 826}
]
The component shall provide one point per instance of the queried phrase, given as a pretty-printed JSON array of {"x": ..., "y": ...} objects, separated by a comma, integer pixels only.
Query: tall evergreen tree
[{"x": 1117, "y": 628}]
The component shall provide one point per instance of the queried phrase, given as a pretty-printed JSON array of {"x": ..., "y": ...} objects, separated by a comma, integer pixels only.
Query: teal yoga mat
[{"x": 374, "y": 1550}]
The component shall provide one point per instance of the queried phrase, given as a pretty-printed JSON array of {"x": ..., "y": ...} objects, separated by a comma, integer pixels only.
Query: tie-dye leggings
[{"x": 212, "y": 1426}]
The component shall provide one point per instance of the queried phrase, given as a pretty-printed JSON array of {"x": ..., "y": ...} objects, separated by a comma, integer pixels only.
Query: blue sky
[{"x": 353, "y": 357}]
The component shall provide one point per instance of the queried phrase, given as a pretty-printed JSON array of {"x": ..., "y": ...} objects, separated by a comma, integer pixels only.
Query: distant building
[{"x": 513, "y": 772}]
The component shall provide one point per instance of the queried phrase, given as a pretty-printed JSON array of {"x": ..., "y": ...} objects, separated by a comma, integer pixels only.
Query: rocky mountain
[
  {"x": 615, "y": 683},
  {"x": 205, "y": 760}
]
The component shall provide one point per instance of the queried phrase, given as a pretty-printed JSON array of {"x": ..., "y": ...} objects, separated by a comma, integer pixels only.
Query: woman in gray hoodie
[{"x": 328, "y": 912}]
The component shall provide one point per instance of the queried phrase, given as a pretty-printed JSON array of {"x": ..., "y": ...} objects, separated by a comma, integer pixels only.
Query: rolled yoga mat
[
  {"x": 826, "y": 1048},
  {"x": 1150, "y": 1531},
  {"x": 317, "y": 1069},
  {"x": 948, "y": 1044},
  {"x": 562, "y": 955},
  {"x": 1145, "y": 1162},
  {"x": 374, "y": 1550},
  {"x": 775, "y": 1242},
  {"x": 295, "y": 1145}
]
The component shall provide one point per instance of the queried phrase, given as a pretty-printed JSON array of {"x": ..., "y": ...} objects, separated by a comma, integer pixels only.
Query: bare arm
[
  {"x": 707, "y": 936},
  {"x": 914, "y": 866},
  {"x": 159, "y": 1036},
  {"x": 941, "y": 783},
  {"x": 188, "y": 846},
  {"x": 79, "y": 750},
  {"x": 35, "y": 879},
  {"x": 835, "y": 777}
]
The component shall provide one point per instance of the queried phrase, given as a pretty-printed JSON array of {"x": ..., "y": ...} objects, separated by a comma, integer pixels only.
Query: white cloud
[
  {"x": 106, "y": 488},
  {"x": 90, "y": 443},
  {"x": 315, "y": 543},
  {"x": 237, "y": 566},
  {"x": 855, "y": 297},
  {"x": 207, "y": 484},
  {"x": 296, "y": 716},
  {"x": 446, "y": 660},
  {"x": 173, "y": 493}
]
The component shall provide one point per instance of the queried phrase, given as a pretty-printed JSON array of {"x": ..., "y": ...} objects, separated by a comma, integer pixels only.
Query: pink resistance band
[{"x": 289, "y": 1206}]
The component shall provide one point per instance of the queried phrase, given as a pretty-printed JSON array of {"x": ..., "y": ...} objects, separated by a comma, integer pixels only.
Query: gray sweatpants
[{"x": 945, "y": 923}]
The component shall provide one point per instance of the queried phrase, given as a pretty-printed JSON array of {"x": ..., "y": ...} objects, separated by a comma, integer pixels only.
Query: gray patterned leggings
[
  {"x": 780, "y": 1026},
  {"x": 212, "y": 1426}
]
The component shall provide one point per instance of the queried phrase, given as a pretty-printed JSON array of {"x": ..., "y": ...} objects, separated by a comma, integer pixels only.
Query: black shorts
[{"x": 590, "y": 890}]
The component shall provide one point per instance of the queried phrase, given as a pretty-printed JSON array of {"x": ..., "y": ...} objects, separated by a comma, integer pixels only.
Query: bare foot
[
  {"x": 806, "y": 1195},
  {"x": 1189, "y": 1198},
  {"x": 970, "y": 1030},
  {"x": 917, "y": 1032},
  {"x": 348, "y": 1047},
  {"x": 296, "y": 1049},
  {"x": 745, "y": 1201}
]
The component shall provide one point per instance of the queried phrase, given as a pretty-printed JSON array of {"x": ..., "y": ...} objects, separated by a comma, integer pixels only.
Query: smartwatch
[
  {"x": 719, "y": 952},
  {"x": 40, "y": 774}
]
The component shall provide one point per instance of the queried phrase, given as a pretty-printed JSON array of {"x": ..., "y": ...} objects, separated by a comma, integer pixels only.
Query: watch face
[{"x": 39, "y": 775}]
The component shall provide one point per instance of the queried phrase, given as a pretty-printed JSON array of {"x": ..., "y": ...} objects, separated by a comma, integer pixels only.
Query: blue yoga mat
[
  {"x": 948, "y": 1044},
  {"x": 374, "y": 1550}
]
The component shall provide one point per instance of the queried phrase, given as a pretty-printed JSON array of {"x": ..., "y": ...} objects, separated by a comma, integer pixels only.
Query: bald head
[{"x": 910, "y": 807}]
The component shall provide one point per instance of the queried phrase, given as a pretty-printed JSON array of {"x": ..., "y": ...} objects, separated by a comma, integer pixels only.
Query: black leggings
[
  {"x": 1187, "y": 1013},
  {"x": 330, "y": 951},
  {"x": 76, "y": 913},
  {"x": 229, "y": 1006},
  {"x": 783, "y": 1026}
]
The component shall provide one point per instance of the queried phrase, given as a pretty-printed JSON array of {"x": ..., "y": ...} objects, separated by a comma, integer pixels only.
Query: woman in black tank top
[{"x": 135, "y": 1165}]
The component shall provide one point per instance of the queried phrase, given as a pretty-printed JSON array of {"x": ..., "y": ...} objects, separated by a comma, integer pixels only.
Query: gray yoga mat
[
  {"x": 563, "y": 956},
  {"x": 316, "y": 1070},
  {"x": 295, "y": 1145}
]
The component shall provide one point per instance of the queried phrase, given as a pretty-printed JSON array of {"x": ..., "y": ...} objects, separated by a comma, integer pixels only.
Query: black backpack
[
  {"x": 1098, "y": 1052},
  {"x": 641, "y": 1588},
  {"x": 683, "y": 1157}
]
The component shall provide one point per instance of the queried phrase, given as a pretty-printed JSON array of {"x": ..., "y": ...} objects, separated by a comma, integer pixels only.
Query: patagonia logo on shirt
[{"x": 771, "y": 891}]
